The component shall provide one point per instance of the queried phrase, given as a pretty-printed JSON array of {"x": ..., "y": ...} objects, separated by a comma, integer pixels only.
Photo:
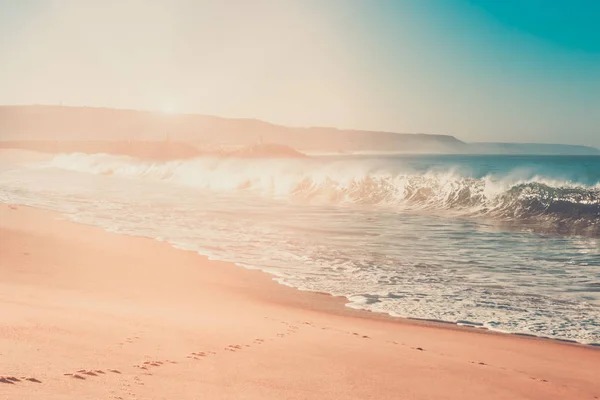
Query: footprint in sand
[
  {"x": 197, "y": 356},
  {"x": 131, "y": 340},
  {"x": 539, "y": 380},
  {"x": 90, "y": 373},
  {"x": 80, "y": 374},
  {"x": 147, "y": 364},
  {"x": 11, "y": 380},
  {"x": 153, "y": 363},
  {"x": 478, "y": 363}
]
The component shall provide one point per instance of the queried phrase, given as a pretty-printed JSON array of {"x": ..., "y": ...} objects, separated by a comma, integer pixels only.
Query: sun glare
[{"x": 168, "y": 108}]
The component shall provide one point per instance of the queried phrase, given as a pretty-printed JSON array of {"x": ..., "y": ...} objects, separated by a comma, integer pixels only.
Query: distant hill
[
  {"x": 103, "y": 124},
  {"x": 213, "y": 134},
  {"x": 532, "y": 148}
]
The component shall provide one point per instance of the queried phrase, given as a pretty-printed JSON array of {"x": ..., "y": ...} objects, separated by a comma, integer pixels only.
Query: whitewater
[{"x": 510, "y": 243}]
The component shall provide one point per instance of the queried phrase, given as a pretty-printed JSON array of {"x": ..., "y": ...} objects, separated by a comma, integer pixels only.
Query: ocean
[{"x": 508, "y": 243}]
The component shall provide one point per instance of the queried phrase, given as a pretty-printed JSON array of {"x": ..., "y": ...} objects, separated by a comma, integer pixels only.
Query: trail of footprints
[
  {"x": 291, "y": 329},
  {"x": 83, "y": 374},
  {"x": 147, "y": 366},
  {"x": 361, "y": 336},
  {"x": 11, "y": 380}
]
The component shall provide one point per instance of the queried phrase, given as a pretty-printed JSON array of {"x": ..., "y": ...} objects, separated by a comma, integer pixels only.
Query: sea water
[{"x": 511, "y": 243}]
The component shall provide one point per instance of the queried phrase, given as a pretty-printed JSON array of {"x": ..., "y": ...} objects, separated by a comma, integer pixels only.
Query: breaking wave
[{"x": 538, "y": 202}]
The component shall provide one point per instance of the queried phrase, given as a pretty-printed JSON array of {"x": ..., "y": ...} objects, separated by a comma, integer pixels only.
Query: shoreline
[
  {"x": 342, "y": 303},
  {"x": 70, "y": 289},
  {"x": 345, "y": 304}
]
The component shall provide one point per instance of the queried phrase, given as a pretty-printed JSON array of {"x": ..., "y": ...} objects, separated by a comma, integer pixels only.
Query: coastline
[
  {"x": 77, "y": 297},
  {"x": 344, "y": 305}
]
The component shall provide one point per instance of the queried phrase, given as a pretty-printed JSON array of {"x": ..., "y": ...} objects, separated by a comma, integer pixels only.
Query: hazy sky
[{"x": 482, "y": 70}]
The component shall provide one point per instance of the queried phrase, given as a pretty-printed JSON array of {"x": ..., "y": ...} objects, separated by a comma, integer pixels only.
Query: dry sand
[{"x": 87, "y": 314}]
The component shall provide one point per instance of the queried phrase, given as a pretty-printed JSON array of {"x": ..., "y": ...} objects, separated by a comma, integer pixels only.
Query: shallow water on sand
[{"x": 508, "y": 244}]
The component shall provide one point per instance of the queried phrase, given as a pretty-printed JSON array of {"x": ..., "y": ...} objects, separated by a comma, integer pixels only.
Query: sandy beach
[{"x": 88, "y": 314}]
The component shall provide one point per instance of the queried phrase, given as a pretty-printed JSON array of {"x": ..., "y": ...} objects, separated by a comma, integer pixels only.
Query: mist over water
[{"x": 506, "y": 242}]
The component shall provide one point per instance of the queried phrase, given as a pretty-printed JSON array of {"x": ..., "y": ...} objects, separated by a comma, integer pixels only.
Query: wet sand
[{"x": 87, "y": 314}]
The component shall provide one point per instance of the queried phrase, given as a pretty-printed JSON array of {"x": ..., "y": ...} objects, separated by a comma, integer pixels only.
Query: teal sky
[{"x": 482, "y": 70}]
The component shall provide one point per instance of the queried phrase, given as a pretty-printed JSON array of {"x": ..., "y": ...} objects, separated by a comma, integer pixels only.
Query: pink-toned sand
[{"x": 86, "y": 314}]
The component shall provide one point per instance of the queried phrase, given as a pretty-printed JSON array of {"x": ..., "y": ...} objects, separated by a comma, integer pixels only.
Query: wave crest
[{"x": 542, "y": 204}]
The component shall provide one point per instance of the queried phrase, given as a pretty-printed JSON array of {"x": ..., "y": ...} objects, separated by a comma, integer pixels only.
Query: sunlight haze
[{"x": 450, "y": 67}]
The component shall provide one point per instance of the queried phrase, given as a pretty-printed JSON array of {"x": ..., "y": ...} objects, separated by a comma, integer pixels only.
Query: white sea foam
[{"x": 511, "y": 197}]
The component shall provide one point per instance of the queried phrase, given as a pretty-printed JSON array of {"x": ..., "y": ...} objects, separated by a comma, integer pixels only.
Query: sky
[{"x": 481, "y": 70}]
